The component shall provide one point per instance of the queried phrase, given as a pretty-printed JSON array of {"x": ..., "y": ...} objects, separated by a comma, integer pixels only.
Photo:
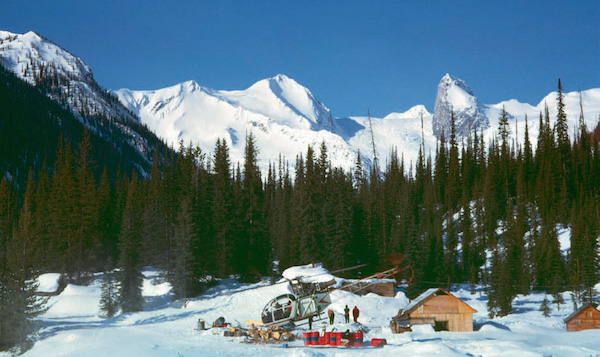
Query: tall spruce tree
[
  {"x": 253, "y": 213},
  {"x": 20, "y": 304},
  {"x": 85, "y": 240},
  {"x": 130, "y": 262},
  {"x": 185, "y": 283},
  {"x": 223, "y": 208},
  {"x": 109, "y": 300}
]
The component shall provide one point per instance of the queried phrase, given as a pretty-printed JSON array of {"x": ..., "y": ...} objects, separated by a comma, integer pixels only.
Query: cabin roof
[
  {"x": 580, "y": 310},
  {"x": 427, "y": 295}
]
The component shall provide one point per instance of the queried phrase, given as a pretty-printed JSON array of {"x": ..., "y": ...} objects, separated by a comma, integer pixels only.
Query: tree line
[{"x": 472, "y": 212}]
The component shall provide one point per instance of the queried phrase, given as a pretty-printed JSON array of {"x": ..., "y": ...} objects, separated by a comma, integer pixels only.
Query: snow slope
[{"x": 71, "y": 327}]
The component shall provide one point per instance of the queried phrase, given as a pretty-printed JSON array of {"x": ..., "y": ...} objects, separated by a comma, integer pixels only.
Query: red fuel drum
[
  {"x": 338, "y": 338},
  {"x": 358, "y": 339},
  {"x": 326, "y": 338},
  {"x": 314, "y": 338},
  {"x": 306, "y": 338},
  {"x": 378, "y": 342}
]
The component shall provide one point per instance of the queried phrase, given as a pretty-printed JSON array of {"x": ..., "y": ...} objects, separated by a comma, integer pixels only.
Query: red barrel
[
  {"x": 326, "y": 338},
  {"x": 358, "y": 339},
  {"x": 332, "y": 338},
  {"x": 314, "y": 338},
  {"x": 338, "y": 338},
  {"x": 378, "y": 342},
  {"x": 306, "y": 338}
]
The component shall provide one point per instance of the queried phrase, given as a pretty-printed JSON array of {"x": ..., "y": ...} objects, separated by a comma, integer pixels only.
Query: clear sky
[{"x": 384, "y": 55}]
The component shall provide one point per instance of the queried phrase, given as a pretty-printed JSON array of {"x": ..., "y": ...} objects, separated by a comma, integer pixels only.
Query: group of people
[{"x": 355, "y": 313}]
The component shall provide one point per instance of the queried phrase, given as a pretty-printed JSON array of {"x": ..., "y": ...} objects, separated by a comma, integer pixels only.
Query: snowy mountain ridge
[{"x": 284, "y": 116}]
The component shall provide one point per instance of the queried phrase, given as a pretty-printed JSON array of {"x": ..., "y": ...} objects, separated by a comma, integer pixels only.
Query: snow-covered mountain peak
[
  {"x": 414, "y": 112},
  {"x": 455, "y": 96},
  {"x": 282, "y": 96},
  {"x": 190, "y": 86},
  {"x": 29, "y": 54}
]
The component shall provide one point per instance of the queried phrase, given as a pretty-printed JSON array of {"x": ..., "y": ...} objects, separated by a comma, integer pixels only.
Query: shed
[
  {"x": 586, "y": 318},
  {"x": 436, "y": 307}
]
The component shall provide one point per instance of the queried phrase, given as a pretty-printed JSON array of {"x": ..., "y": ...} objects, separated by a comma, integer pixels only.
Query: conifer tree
[
  {"x": 454, "y": 185},
  {"x": 109, "y": 303},
  {"x": 500, "y": 293},
  {"x": 41, "y": 216},
  {"x": 107, "y": 229},
  {"x": 63, "y": 231},
  {"x": 85, "y": 242},
  {"x": 183, "y": 280},
  {"x": 557, "y": 299},
  {"x": 154, "y": 218},
  {"x": 8, "y": 214},
  {"x": 130, "y": 277},
  {"x": 253, "y": 214},
  {"x": 20, "y": 304},
  {"x": 223, "y": 208},
  {"x": 545, "y": 307}
]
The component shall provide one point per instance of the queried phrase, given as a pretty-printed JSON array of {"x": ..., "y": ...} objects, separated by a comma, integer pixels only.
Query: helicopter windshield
[{"x": 279, "y": 308}]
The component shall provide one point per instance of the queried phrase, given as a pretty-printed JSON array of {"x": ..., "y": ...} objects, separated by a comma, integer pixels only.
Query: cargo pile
[{"x": 276, "y": 334}]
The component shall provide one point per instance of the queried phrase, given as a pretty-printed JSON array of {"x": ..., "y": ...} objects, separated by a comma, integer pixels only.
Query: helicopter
[
  {"x": 287, "y": 309},
  {"x": 311, "y": 299}
]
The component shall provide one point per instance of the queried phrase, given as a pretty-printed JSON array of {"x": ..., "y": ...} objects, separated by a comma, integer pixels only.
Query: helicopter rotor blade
[{"x": 350, "y": 268}]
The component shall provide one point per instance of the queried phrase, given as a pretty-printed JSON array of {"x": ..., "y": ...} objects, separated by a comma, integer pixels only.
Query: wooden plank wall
[{"x": 447, "y": 308}]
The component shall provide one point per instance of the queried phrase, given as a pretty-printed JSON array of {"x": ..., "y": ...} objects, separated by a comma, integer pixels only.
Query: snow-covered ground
[{"x": 71, "y": 326}]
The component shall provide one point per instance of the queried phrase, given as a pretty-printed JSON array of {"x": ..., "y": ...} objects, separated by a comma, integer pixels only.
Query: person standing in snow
[
  {"x": 331, "y": 315},
  {"x": 355, "y": 313},
  {"x": 347, "y": 314},
  {"x": 310, "y": 320}
]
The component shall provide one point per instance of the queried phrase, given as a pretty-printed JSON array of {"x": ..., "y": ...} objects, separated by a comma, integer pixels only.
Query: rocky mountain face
[
  {"x": 66, "y": 79},
  {"x": 455, "y": 96}
]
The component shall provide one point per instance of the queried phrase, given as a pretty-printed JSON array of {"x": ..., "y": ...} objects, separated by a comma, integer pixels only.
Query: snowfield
[{"x": 72, "y": 326}]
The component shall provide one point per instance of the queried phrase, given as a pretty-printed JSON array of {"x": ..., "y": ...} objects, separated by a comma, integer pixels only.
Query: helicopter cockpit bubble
[{"x": 278, "y": 308}]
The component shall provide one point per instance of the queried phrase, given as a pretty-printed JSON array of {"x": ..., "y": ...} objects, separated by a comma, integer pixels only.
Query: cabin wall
[
  {"x": 456, "y": 322},
  {"x": 583, "y": 324},
  {"x": 587, "y": 319}
]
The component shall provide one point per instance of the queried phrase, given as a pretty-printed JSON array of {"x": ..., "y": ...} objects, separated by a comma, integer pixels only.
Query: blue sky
[{"x": 352, "y": 55}]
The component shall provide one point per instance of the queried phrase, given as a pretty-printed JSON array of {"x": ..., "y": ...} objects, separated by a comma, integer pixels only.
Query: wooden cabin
[
  {"x": 586, "y": 318},
  {"x": 436, "y": 307}
]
